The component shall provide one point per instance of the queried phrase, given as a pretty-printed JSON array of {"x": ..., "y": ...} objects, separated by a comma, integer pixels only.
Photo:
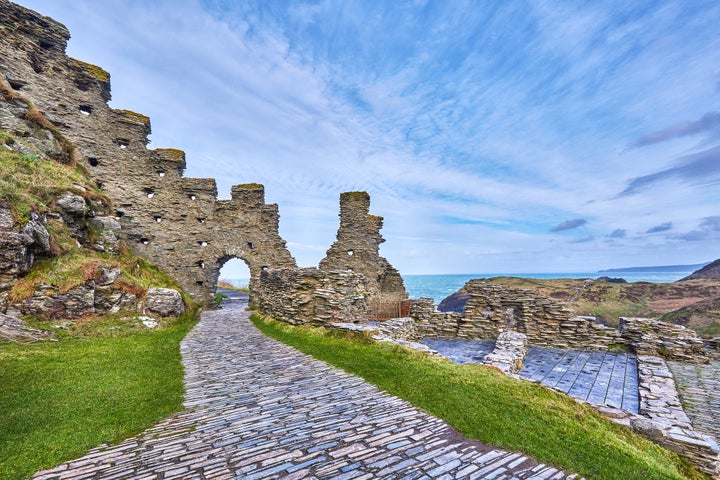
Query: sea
[{"x": 438, "y": 287}]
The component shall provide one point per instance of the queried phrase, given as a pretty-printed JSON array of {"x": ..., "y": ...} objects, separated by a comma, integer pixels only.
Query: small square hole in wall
[
  {"x": 350, "y": 253},
  {"x": 265, "y": 268},
  {"x": 93, "y": 162},
  {"x": 201, "y": 264},
  {"x": 250, "y": 245},
  {"x": 199, "y": 282},
  {"x": 203, "y": 244},
  {"x": 85, "y": 109},
  {"x": 192, "y": 197},
  {"x": 149, "y": 192},
  {"x": 201, "y": 220},
  {"x": 144, "y": 241},
  {"x": 158, "y": 219},
  {"x": 160, "y": 173},
  {"x": 122, "y": 143}
]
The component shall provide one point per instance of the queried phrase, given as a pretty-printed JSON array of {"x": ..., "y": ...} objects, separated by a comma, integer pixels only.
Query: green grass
[
  {"x": 60, "y": 399},
  {"x": 485, "y": 405}
]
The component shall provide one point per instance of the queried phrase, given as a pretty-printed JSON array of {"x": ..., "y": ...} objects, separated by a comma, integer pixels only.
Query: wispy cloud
[
  {"x": 474, "y": 129},
  {"x": 698, "y": 168},
  {"x": 708, "y": 229},
  {"x": 709, "y": 121},
  {"x": 663, "y": 227},
  {"x": 569, "y": 225}
]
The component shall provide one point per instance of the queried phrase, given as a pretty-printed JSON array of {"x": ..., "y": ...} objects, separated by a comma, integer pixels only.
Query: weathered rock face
[
  {"x": 174, "y": 222},
  {"x": 18, "y": 247},
  {"x": 165, "y": 302}
]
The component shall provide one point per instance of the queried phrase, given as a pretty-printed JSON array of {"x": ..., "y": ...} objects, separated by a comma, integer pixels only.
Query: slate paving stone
[
  {"x": 699, "y": 389},
  {"x": 600, "y": 378},
  {"x": 255, "y": 408}
]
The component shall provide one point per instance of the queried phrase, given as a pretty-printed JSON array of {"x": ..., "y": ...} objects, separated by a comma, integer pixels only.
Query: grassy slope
[
  {"x": 108, "y": 377},
  {"x": 60, "y": 399},
  {"x": 486, "y": 405}
]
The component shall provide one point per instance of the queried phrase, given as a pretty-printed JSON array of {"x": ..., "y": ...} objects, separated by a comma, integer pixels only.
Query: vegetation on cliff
[{"x": 488, "y": 406}]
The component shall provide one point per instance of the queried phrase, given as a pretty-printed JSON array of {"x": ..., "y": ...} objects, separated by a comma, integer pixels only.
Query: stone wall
[
  {"x": 492, "y": 309},
  {"x": 311, "y": 296},
  {"x": 357, "y": 249},
  {"x": 173, "y": 221}
]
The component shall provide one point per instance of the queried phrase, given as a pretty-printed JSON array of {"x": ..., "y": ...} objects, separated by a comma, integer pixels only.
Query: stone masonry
[
  {"x": 493, "y": 309},
  {"x": 173, "y": 221}
]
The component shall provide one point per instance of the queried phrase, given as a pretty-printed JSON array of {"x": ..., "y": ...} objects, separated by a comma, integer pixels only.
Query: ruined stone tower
[{"x": 173, "y": 221}]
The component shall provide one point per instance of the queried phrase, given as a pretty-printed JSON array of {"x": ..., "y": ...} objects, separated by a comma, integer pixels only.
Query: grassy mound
[{"x": 485, "y": 405}]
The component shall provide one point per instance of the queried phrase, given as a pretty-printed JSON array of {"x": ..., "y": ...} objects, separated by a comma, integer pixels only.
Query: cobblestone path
[
  {"x": 600, "y": 378},
  {"x": 699, "y": 387},
  {"x": 256, "y": 408}
]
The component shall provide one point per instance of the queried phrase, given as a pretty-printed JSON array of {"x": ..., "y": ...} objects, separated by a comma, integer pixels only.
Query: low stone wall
[
  {"x": 492, "y": 310},
  {"x": 668, "y": 423},
  {"x": 648, "y": 336},
  {"x": 309, "y": 295}
]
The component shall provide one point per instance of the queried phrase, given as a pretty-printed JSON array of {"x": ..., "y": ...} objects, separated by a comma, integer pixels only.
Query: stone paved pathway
[
  {"x": 256, "y": 409},
  {"x": 699, "y": 387},
  {"x": 599, "y": 378}
]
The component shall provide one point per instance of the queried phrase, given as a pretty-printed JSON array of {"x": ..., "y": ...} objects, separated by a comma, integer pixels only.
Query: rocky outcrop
[
  {"x": 708, "y": 272},
  {"x": 165, "y": 302}
]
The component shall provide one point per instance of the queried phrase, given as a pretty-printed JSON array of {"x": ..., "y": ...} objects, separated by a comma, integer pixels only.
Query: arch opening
[{"x": 234, "y": 271}]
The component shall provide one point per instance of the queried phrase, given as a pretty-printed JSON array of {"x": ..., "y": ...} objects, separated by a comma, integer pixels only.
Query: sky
[{"x": 492, "y": 136}]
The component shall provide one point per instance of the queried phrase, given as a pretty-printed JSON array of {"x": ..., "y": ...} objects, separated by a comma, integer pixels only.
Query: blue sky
[{"x": 492, "y": 136}]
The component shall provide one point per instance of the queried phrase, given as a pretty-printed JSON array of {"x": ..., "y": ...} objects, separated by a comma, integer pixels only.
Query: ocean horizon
[{"x": 439, "y": 286}]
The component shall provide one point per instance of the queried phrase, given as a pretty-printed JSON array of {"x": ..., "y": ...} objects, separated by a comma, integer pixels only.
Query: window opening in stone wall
[
  {"x": 201, "y": 220},
  {"x": 265, "y": 268},
  {"x": 160, "y": 173},
  {"x": 250, "y": 245},
  {"x": 144, "y": 241},
  {"x": 122, "y": 143},
  {"x": 192, "y": 197},
  {"x": 149, "y": 192},
  {"x": 158, "y": 219},
  {"x": 93, "y": 162},
  {"x": 119, "y": 213},
  {"x": 45, "y": 45},
  {"x": 202, "y": 244},
  {"x": 201, "y": 264},
  {"x": 99, "y": 185},
  {"x": 85, "y": 109},
  {"x": 199, "y": 282},
  {"x": 15, "y": 84},
  {"x": 350, "y": 252}
]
